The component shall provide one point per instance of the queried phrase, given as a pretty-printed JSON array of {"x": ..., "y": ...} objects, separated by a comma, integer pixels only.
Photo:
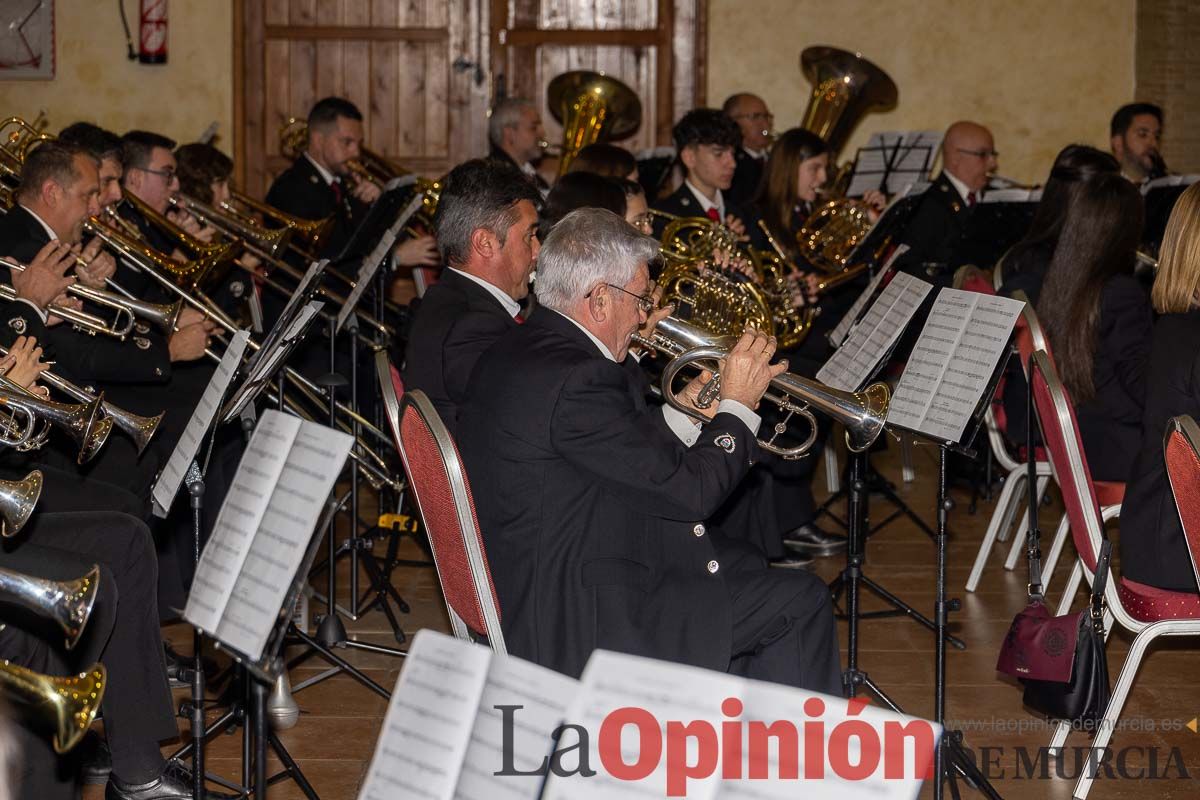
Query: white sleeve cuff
[
  {"x": 41, "y": 314},
  {"x": 684, "y": 427},
  {"x": 752, "y": 420}
]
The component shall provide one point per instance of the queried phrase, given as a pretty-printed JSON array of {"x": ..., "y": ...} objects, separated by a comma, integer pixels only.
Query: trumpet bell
[
  {"x": 592, "y": 107},
  {"x": 65, "y": 706},
  {"x": 17, "y": 501},
  {"x": 67, "y": 603},
  {"x": 845, "y": 87}
]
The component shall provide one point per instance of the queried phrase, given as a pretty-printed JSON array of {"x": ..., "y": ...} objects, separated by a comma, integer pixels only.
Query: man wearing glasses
[
  {"x": 594, "y": 506},
  {"x": 938, "y": 229},
  {"x": 755, "y": 121}
]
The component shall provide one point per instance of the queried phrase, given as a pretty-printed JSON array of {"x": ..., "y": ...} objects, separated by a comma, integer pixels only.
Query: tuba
[
  {"x": 65, "y": 706},
  {"x": 592, "y": 107},
  {"x": 861, "y": 413},
  {"x": 845, "y": 87}
]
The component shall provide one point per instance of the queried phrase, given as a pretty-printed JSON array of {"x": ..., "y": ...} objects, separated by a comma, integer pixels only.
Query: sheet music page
[
  {"x": 284, "y": 531},
  {"x": 838, "y": 334},
  {"x": 371, "y": 264},
  {"x": 952, "y": 362},
  {"x": 169, "y": 480},
  {"x": 276, "y": 332},
  {"x": 238, "y": 520},
  {"x": 428, "y": 725},
  {"x": 544, "y": 696},
  {"x": 265, "y": 365},
  {"x": 668, "y": 691},
  {"x": 871, "y": 163},
  {"x": 852, "y": 364},
  {"x": 1169, "y": 180}
]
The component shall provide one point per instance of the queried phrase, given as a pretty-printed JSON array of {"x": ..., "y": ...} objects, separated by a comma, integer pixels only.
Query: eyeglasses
[
  {"x": 643, "y": 222},
  {"x": 757, "y": 116},
  {"x": 167, "y": 174},
  {"x": 978, "y": 153},
  {"x": 645, "y": 302}
]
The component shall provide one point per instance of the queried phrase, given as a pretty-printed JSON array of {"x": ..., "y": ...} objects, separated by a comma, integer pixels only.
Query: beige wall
[
  {"x": 1039, "y": 74},
  {"x": 95, "y": 81}
]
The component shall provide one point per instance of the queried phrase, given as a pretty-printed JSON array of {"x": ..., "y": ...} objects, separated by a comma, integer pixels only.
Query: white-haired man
[
  {"x": 516, "y": 134},
  {"x": 593, "y": 505}
]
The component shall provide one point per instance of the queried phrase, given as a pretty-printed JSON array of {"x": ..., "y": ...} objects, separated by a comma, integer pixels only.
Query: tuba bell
[
  {"x": 592, "y": 107},
  {"x": 845, "y": 87}
]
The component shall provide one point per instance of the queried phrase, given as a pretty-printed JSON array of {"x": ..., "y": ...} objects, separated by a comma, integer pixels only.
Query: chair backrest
[
  {"x": 443, "y": 496},
  {"x": 391, "y": 387},
  {"x": 1181, "y": 450},
  {"x": 1029, "y": 334},
  {"x": 1060, "y": 436}
]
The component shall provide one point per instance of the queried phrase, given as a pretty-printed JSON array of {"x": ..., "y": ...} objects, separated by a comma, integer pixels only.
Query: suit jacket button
[
  {"x": 713, "y": 566},
  {"x": 699, "y": 529}
]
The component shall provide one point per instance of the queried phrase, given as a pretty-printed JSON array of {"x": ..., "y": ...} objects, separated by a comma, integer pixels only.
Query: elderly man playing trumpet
[{"x": 593, "y": 506}]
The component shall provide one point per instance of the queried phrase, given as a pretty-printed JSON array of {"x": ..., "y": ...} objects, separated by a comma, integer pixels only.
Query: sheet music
[
  {"x": 852, "y": 364},
  {"x": 371, "y": 264},
  {"x": 283, "y": 533},
  {"x": 838, "y": 334},
  {"x": 904, "y": 157},
  {"x": 952, "y": 362},
  {"x": 266, "y": 365},
  {"x": 1169, "y": 180},
  {"x": 1011, "y": 196},
  {"x": 169, "y": 480},
  {"x": 237, "y": 522}
]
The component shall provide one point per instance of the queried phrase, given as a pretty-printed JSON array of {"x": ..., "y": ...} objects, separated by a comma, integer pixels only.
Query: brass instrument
[
  {"x": 845, "y": 87},
  {"x": 862, "y": 413},
  {"x": 831, "y": 233},
  {"x": 65, "y": 706},
  {"x": 592, "y": 107},
  {"x": 17, "y": 501},
  {"x": 66, "y": 603},
  {"x": 210, "y": 260},
  {"x": 272, "y": 241},
  {"x": 84, "y": 422},
  {"x": 311, "y": 233}
]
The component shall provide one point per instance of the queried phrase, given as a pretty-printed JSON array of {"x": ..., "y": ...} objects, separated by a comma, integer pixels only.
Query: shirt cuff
[
  {"x": 751, "y": 420},
  {"x": 684, "y": 427},
  {"x": 41, "y": 314}
]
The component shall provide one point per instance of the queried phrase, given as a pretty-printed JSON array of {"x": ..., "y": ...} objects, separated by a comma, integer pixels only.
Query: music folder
[
  {"x": 466, "y": 723},
  {"x": 263, "y": 535}
]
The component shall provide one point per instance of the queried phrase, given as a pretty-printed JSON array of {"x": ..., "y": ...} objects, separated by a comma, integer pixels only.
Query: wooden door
[
  {"x": 409, "y": 66},
  {"x": 655, "y": 46}
]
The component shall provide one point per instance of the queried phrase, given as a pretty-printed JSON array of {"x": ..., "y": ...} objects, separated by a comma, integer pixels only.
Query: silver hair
[
  {"x": 506, "y": 114},
  {"x": 588, "y": 247}
]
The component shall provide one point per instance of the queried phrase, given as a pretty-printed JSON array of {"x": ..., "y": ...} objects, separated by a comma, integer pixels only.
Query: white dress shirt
[
  {"x": 705, "y": 203},
  {"x": 960, "y": 187},
  {"x": 511, "y": 306},
  {"x": 325, "y": 174}
]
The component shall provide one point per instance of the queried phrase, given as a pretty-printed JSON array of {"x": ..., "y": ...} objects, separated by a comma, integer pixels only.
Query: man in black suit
[
  {"x": 706, "y": 140},
  {"x": 593, "y": 506},
  {"x": 936, "y": 234},
  {"x": 755, "y": 120},
  {"x": 487, "y": 233},
  {"x": 515, "y": 133},
  {"x": 1135, "y": 137}
]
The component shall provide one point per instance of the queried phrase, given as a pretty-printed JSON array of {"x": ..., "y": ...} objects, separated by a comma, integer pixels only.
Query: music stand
[{"x": 892, "y": 162}]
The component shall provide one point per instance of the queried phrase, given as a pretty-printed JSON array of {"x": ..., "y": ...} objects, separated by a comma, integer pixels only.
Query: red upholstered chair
[
  {"x": 439, "y": 485},
  {"x": 1140, "y": 609},
  {"x": 1011, "y": 503}
]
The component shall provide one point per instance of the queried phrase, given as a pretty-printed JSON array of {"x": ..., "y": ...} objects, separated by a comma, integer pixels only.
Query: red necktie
[
  {"x": 970, "y": 199},
  {"x": 337, "y": 191},
  {"x": 520, "y": 319},
  {"x": 714, "y": 215}
]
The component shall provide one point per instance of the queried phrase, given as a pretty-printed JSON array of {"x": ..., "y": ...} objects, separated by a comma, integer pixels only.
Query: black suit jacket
[
  {"x": 456, "y": 321},
  {"x": 936, "y": 233},
  {"x": 144, "y": 358},
  {"x": 302, "y": 192},
  {"x": 746, "y": 179},
  {"x": 682, "y": 203},
  {"x": 591, "y": 511},
  {"x": 1153, "y": 548}
]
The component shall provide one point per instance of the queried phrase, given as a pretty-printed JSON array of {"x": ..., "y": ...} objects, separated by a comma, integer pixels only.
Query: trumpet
[
  {"x": 66, "y": 603},
  {"x": 138, "y": 428},
  {"x": 119, "y": 327},
  {"x": 84, "y": 422},
  {"x": 65, "y": 706},
  {"x": 17, "y": 501},
  {"x": 862, "y": 413}
]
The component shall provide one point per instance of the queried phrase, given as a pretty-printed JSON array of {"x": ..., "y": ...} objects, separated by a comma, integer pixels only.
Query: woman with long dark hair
[
  {"x": 796, "y": 169},
  {"x": 1098, "y": 321}
]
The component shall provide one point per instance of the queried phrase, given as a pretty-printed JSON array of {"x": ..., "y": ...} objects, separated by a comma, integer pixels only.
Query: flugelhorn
[
  {"x": 17, "y": 501},
  {"x": 64, "y": 706},
  {"x": 84, "y": 423},
  {"x": 137, "y": 427},
  {"x": 66, "y": 603},
  {"x": 861, "y": 413}
]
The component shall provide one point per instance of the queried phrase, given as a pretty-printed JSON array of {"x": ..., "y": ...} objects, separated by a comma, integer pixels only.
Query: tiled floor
[{"x": 340, "y": 719}]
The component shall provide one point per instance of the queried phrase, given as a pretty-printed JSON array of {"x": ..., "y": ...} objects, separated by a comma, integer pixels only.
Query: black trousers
[
  {"x": 783, "y": 629},
  {"x": 122, "y": 633}
]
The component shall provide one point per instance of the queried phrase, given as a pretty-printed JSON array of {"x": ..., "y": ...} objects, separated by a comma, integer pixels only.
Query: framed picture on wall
[{"x": 26, "y": 39}]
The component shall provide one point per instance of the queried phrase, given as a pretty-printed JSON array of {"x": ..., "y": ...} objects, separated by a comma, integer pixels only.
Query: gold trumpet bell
[
  {"x": 68, "y": 704},
  {"x": 592, "y": 107},
  {"x": 17, "y": 501}
]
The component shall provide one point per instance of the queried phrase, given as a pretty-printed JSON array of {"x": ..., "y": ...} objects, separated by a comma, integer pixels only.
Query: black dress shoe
[
  {"x": 95, "y": 758},
  {"x": 813, "y": 541},
  {"x": 791, "y": 562},
  {"x": 179, "y": 670},
  {"x": 175, "y": 783}
]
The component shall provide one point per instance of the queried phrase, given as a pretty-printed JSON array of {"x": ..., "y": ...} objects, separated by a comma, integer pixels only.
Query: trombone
[
  {"x": 66, "y": 706},
  {"x": 66, "y": 603}
]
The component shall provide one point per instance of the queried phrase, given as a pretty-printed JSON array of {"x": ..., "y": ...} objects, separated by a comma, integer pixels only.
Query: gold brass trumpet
[
  {"x": 84, "y": 423},
  {"x": 17, "y": 501},
  {"x": 64, "y": 706},
  {"x": 862, "y": 413},
  {"x": 66, "y": 603}
]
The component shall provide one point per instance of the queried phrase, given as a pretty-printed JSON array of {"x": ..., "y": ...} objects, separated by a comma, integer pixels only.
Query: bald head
[
  {"x": 751, "y": 114},
  {"x": 969, "y": 153}
]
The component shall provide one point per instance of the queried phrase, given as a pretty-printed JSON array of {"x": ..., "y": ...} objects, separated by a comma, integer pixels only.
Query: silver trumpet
[
  {"x": 17, "y": 501},
  {"x": 66, "y": 603},
  {"x": 862, "y": 413},
  {"x": 84, "y": 422},
  {"x": 138, "y": 428}
]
